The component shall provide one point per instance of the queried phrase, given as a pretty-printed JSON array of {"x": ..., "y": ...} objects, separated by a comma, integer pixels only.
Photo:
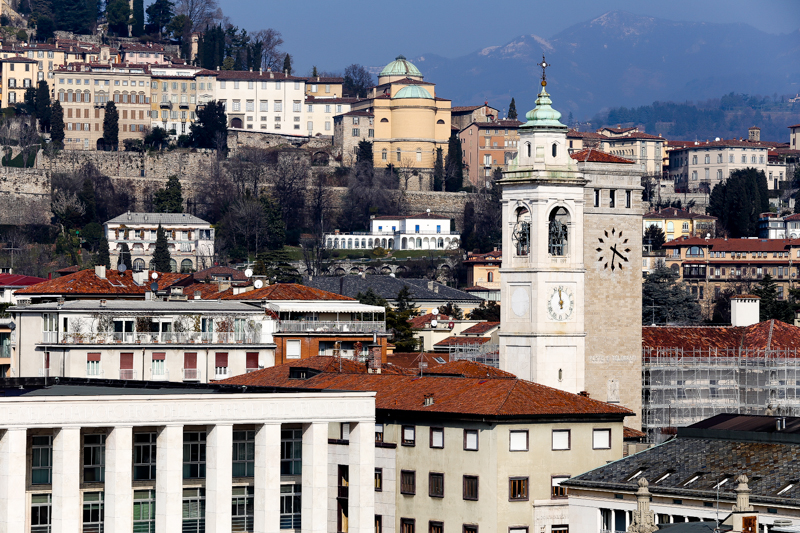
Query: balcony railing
[
  {"x": 164, "y": 376},
  {"x": 191, "y": 374},
  {"x": 5, "y": 351},
  {"x": 190, "y": 337},
  {"x": 127, "y": 373},
  {"x": 308, "y": 326}
]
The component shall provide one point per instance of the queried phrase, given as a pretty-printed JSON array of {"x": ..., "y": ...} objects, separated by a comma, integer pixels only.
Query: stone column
[
  {"x": 314, "y": 516},
  {"x": 361, "y": 494},
  {"x": 67, "y": 505},
  {"x": 267, "y": 479},
  {"x": 219, "y": 477},
  {"x": 12, "y": 480},
  {"x": 119, "y": 477},
  {"x": 169, "y": 478}
]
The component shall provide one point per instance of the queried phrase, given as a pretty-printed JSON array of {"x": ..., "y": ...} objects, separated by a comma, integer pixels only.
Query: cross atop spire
[{"x": 544, "y": 64}]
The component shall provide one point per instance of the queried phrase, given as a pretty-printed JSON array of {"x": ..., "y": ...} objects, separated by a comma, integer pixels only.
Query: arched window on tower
[
  {"x": 555, "y": 149},
  {"x": 528, "y": 147},
  {"x": 522, "y": 231},
  {"x": 557, "y": 239}
]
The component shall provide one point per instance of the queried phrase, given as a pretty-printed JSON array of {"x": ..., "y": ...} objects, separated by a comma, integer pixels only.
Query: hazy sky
[{"x": 332, "y": 35}]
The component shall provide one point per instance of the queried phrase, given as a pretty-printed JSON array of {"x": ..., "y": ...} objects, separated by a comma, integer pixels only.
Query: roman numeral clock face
[{"x": 613, "y": 250}]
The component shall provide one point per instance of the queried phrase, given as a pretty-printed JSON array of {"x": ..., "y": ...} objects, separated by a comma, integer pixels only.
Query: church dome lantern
[
  {"x": 543, "y": 116},
  {"x": 413, "y": 91},
  {"x": 400, "y": 68}
]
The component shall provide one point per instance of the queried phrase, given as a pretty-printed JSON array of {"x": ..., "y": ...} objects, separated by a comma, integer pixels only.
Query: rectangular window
[
  {"x": 437, "y": 437},
  {"x": 378, "y": 432},
  {"x": 296, "y": 106},
  {"x": 291, "y": 452},
  {"x": 557, "y": 491},
  {"x": 470, "y": 528},
  {"x": 409, "y": 436},
  {"x": 194, "y": 454},
  {"x": 597, "y": 197},
  {"x": 518, "y": 488},
  {"x": 408, "y": 482},
  {"x": 601, "y": 439},
  {"x": 194, "y": 510},
  {"x": 244, "y": 453},
  {"x": 407, "y": 525},
  {"x": 612, "y": 198},
  {"x": 93, "y": 512},
  {"x": 628, "y": 199},
  {"x": 561, "y": 439},
  {"x": 41, "y": 513},
  {"x": 221, "y": 364},
  {"x": 144, "y": 511},
  {"x": 42, "y": 460},
  {"x": 518, "y": 441},
  {"x": 92, "y": 364},
  {"x": 436, "y": 485},
  {"x": 94, "y": 454},
  {"x": 290, "y": 506},
  {"x": 356, "y": 132},
  {"x": 242, "y": 508},
  {"x": 470, "y": 487},
  {"x": 144, "y": 456},
  {"x": 378, "y": 479},
  {"x": 292, "y": 349},
  {"x": 471, "y": 439},
  {"x": 278, "y": 106},
  {"x": 435, "y": 527}
]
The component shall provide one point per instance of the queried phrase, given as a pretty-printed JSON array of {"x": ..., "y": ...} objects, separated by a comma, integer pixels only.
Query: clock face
[
  {"x": 613, "y": 250},
  {"x": 561, "y": 303}
]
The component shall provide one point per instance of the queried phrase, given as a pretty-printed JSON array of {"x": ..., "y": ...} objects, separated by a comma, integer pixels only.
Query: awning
[{"x": 331, "y": 306}]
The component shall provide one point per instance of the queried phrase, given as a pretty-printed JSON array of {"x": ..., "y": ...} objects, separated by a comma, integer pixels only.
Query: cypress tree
[
  {"x": 57, "y": 125},
  {"x": 797, "y": 203},
  {"x": 111, "y": 126},
  {"x": 438, "y": 171},
  {"x": 43, "y": 110},
  {"x": 512, "y": 110},
  {"x": 454, "y": 166},
  {"x": 103, "y": 257},
  {"x": 287, "y": 64},
  {"x": 124, "y": 256},
  {"x": 161, "y": 257},
  {"x": 138, "y": 18}
]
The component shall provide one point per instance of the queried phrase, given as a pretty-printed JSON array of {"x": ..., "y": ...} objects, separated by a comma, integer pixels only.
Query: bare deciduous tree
[
  {"x": 29, "y": 139},
  {"x": 202, "y": 13},
  {"x": 66, "y": 207},
  {"x": 271, "y": 54},
  {"x": 288, "y": 178}
]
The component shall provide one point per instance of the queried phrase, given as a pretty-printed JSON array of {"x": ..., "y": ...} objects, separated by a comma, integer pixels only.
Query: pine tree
[
  {"x": 287, "y": 64},
  {"x": 57, "y": 125},
  {"x": 159, "y": 14},
  {"x": 103, "y": 257},
  {"x": 276, "y": 266},
  {"x": 87, "y": 198},
  {"x": 314, "y": 71},
  {"x": 43, "y": 109},
  {"x": 654, "y": 237},
  {"x": 138, "y": 18},
  {"x": 797, "y": 203},
  {"x": 666, "y": 301},
  {"x": 211, "y": 124},
  {"x": 512, "y": 110},
  {"x": 170, "y": 198},
  {"x": 364, "y": 153},
  {"x": 111, "y": 127},
  {"x": 438, "y": 171},
  {"x": 161, "y": 257},
  {"x": 454, "y": 166},
  {"x": 30, "y": 100},
  {"x": 118, "y": 13},
  {"x": 124, "y": 256},
  {"x": 770, "y": 307}
]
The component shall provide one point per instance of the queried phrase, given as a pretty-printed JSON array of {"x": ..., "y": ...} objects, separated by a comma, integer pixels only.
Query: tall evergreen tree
[
  {"x": 170, "y": 198},
  {"x": 111, "y": 127},
  {"x": 43, "y": 110},
  {"x": 124, "y": 256},
  {"x": 159, "y": 14},
  {"x": 512, "y": 110},
  {"x": 770, "y": 307},
  {"x": 364, "y": 153},
  {"x": 454, "y": 166},
  {"x": 211, "y": 125},
  {"x": 287, "y": 64},
  {"x": 666, "y": 301},
  {"x": 438, "y": 171},
  {"x": 739, "y": 201},
  {"x": 57, "y": 125},
  {"x": 30, "y": 100},
  {"x": 138, "y": 18},
  {"x": 103, "y": 256},
  {"x": 118, "y": 13},
  {"x": 45, "y": 28},
  {"x": 797, "y": 203},
  {"x": 73, "y": 16},
  {"x": 161, "y": 257},
  {"x": 654, "y": 237},
  {"x": 87, "y": 198}
]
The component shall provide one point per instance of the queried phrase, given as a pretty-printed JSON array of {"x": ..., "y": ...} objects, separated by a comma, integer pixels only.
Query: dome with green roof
[
  {"x": 401, "y": 67},
  {"x": 543, "y": 116},
  {"x": 413, "y": 91}
]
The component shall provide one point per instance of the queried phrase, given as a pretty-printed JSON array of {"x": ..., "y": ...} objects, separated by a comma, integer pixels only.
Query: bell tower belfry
[{"x": 542, "y": 275}]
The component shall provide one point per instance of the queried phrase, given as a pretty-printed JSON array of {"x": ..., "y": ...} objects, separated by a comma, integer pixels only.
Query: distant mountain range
[{"x": 620, "y": 59}]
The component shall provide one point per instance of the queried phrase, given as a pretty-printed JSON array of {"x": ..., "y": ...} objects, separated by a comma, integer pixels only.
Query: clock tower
[{"x": 542, "y": 276}]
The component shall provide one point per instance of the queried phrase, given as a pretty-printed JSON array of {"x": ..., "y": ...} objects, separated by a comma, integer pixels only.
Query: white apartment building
[
  {"x": 266, "y": 101},
  {"x": 697, "y": 166},
  {"x": 93, "y": 456},
  {"x": 190, "y": 239},
  {"x": 643, "y": 148},
  {"x": 424, "y": 231},
  {"x": 320, "y": 113}
]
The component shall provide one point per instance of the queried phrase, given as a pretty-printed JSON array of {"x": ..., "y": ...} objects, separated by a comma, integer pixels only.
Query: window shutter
[
  {"x": 252, "y": 359},
  {"x": 221, "y": 360},
  {"x": 190, "y": 360},
  {"x": 126, "y": 361},
  {"x": 159, "y": 356},
  {"x": 93, "y": 357}
]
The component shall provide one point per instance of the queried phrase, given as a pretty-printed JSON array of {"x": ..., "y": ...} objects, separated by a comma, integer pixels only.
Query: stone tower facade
[{"x": 571, "y": 281}]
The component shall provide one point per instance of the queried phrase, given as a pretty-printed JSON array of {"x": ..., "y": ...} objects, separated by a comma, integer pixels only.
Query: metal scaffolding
[
  {"x": 488, "y": 354},
  {"x": 681, "y": 387}
]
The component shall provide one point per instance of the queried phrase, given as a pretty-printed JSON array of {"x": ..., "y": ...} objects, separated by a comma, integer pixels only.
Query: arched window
[
  {"x": 555, "y": 149},
  {"x": 186, "y": 266},
  {"x": 558, "y": 232},
  {"x": 173, "y": 265},
  {"x": 522, "y": 231},
  {"x": 384, "y": 120},
  {"x": 440, "y": 121},
  {"x": 138, "y": 265},
  {"x": 670, "y": 227},
  {"x": 528, "y": 147}
]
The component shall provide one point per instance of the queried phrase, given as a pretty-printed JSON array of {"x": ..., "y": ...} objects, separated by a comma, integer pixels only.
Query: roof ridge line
[{"x": 769, "y": 337}]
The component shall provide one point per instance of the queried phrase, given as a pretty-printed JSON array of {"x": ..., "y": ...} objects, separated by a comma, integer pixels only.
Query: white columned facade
[
  {"x": 361, "y": 495},
  {"x": 219, "y": 476},
  {"x": 67, "y": 503},
  {"x": 119, "y": 477},
  {"x": 267, "y": 479},
  {"x": 169, "y": 478},
  {"x": 314, "y": 514},
  {"x": 12, "y": 479}
]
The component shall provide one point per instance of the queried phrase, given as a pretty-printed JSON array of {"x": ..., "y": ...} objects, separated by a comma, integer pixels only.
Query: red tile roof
[
  {"x": 736, "y": 245},
  {"x": 465, "y": 108},
  {"x": 585, "y": 135},
  {"x": 481, "y": 329},
  {"x": 490, "y": 124},
  {"x": 630, "y": 433},
  {"x": 794, "y": 126},
  {"x": 597, "y": 156},
  {"x": 471, "y": 369},
  {"x": 286, "y": 291},
  {"x": 617, "y": 130},
  {"x": 494, "y": 396},
  {"x": 422, "y": 321},
  {"x": 733, "y": 143},
  {"x": 248, "y": 75},
  {"x": 409, "y": 361},
  {"x": 419, "y": 215},
  {"x": 768, "y": 335},
  {"x": 674, "y": 212},
  {"x": 220, "y": 272},
  {"x": 493, "y": 257},
  {"x": 455, "y": 341},
  {"x": 86, "y": 282},
  {"x": 18, "y": 280}
]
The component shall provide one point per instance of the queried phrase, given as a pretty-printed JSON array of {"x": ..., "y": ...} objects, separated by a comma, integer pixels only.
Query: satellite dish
[
  {"x": 248, "y": 272},
  {"x": 154, "y": 275},
  {"x": 154, "y": 286},
  {"x": 258, "y": 284},
  {"x": 434, "y": 323},
  {"x": 122, "y": 268},
  {"x": 435, "y": 311}
]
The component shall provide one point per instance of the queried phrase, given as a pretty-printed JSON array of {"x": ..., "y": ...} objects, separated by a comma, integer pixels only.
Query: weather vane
[{"x": 544, "y": 64}]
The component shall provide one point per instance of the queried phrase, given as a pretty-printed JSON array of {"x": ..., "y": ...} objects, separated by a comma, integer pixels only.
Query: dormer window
[
  {"x": 786, "y": 489},
  {"x": 691, "y": 480},
  {"x": 636, "y": 474}
]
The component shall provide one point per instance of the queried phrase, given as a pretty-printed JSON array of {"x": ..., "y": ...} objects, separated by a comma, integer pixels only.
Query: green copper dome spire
[{"x": 543, "y": 116}]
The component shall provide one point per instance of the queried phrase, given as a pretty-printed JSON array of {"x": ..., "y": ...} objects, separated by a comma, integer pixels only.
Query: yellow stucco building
[{"x": 407, "y": 121}]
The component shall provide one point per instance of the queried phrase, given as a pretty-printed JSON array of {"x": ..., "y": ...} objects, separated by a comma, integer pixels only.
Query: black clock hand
[{"x": 614, "y": 249}]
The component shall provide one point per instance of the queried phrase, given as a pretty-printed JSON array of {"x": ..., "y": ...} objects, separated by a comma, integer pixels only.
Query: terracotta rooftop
[
  {"x": 455, "y": 394},
  {"x": 86, "y": 282},
  {"x": 617, "y": 129},
  {"x": 286, "y": 291},
  {"x": 219, "y": 272},
  {"x": 489, "y": 124},
  {"x": 409, "y": 361},
  {"x": 597, "y": 156},
  {"x": 674, "y": 212},
  {"x": 768, "y": 335},
  {"x": 585, "y": 135},
  {"x": 422, "y": 321},
  {"x": 406, "y": 217},
  {"x": 455, "y": 341},
  {"x": 630, "y": 433},
  {"x": 464, "y": 108},
  {"x": 493, "y": 257},
  {"x": 736, "y": 245},
  {"x": 481, "y": 329},
  {"x": 18, "y": 280}
]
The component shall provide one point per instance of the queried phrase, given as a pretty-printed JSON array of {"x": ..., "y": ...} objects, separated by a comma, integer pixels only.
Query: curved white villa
[{"x": 424, "y": 231}]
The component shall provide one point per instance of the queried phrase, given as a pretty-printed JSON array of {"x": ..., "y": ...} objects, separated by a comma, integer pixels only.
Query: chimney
[
  {"x": 196, "y": 295},
  {"x": 430, "y": 285},
  {"x": 744, "y": 310},
  {"x": 100, "y": 271},
  {"x": 102, "y": 303},
  {"x": 644, "y": 520},
  {"x": 140, "y": 277}
]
